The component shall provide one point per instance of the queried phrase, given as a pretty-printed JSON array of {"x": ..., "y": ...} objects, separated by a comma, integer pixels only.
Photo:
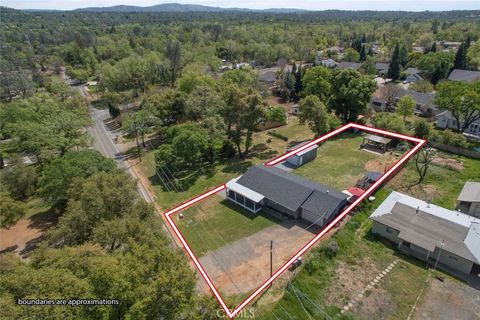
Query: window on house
[
  {"x": 453, "y": 258},
  {"x": 389, "y": 230},
  {"x": 406, "y": 244},
  {"x": 231, "y": 194}
]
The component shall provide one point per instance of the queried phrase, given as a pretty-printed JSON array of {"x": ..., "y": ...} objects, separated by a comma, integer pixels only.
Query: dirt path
[{"x": 26, "y": 234}]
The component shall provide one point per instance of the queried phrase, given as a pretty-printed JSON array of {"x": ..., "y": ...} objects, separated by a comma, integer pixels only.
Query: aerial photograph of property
[{"x": 221, "y": 159}]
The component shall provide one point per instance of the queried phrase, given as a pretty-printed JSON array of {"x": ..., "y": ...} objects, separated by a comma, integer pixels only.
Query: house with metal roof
[
  {"x": 301, "y": 157},
  {"x": 468, "y": 76},
  {"x": 445, "y": 238},
  {"x": 468, "y": 200},
  {"x": 285, "y": 193}
]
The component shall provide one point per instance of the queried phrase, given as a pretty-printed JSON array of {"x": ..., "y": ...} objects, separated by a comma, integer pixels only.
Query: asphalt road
[{"x": 104, "y": 143}]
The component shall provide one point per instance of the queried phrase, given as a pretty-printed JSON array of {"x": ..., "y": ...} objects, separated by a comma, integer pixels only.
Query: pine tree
[
  {"x": 363, "y": 53},
  {"x": 461, "y": 57},
  {"x": 298, "y": 80},
  {"x": 434, "y": 47},
  {"x": 294, "y": 68},
  {"x": 394, "y": 68}
]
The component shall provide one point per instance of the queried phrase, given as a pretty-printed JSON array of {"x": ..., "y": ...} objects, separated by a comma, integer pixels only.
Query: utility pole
[
  {"x": 271, "y": 259},
  {"x": 136, "y": 136}
]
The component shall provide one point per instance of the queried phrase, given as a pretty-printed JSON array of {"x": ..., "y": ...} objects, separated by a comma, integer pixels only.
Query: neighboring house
[
  {"x": 268, "y": 75},
  {"x": 468, "y": 76},
  {"x": 304, "y": 156},
  {"x": 424, "y": 106},
  {"x": 468, "y": 201},
  {"x": 445, "y": 120},
  {"x": 348, "y": 65},
  {"x": 329, "y": 63},
  {"x": 445, "y": 238},
  {"x": 450, "y": 45},
  {"x": 382, "y": 69},
  {"x": 412, "y": 75},
  {"x": 274, "y": 189}
]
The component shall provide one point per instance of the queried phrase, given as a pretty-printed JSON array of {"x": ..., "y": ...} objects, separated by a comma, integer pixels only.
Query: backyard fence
[{"x": 456, "y": 150}]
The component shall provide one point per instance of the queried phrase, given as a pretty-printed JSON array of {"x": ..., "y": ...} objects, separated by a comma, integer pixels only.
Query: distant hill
[{"x": 177, "y": 7}]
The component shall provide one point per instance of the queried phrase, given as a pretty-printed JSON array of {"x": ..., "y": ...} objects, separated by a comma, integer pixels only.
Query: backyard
[{"x": 340, "y": 162}]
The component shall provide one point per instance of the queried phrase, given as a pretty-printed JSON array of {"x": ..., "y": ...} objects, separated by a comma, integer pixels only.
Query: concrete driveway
[{"x": 245, "y": 264}]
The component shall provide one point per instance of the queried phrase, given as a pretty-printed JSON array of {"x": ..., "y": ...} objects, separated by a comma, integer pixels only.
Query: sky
[{"x": 404, "y": 5}]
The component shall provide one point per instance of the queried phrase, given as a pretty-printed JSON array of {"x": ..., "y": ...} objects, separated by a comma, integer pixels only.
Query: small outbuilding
[
  {"x": 377, "y": 142},
  {"x": 303, "y": 156}
]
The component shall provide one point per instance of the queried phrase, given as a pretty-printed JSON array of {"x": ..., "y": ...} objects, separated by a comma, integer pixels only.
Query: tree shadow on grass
[
  {"x": 262, "y": 152},
  {"x": 180, "y": 180}
]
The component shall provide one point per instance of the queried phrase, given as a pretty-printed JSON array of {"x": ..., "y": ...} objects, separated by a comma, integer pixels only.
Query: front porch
[{"x": 244, "y": 197}]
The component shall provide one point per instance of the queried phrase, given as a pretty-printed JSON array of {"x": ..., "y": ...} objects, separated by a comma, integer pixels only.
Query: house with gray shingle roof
[
  {"x": 468, "y": 76},
  {"x": 468, "y": 200},
  {"x": 442, "y": 237},
  {"x": 286, "y": 193}
]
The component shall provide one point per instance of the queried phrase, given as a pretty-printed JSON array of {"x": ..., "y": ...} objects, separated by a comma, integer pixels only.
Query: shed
[
  {"x": 376, "y": 141},
  {"x": 303, "y": 156}
]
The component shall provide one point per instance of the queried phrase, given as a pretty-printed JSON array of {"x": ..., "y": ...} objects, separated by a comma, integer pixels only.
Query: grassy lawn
[
  {"x": 209, "y": 176},
  {"x": 340, "y": 163},
  {"x": 215, "y": 222}
]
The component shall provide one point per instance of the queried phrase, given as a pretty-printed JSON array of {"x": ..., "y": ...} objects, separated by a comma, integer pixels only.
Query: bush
[
  {"x": 389, "y": 121},
  {"x": 450, "y": 138},
  {"x": 275, "y": 134},
  {"x": 277, "y": 114},
  {"x": 228, "y": 149},
  {"x": 331, "y": 249},
  {"x": 313, "y": 264}
]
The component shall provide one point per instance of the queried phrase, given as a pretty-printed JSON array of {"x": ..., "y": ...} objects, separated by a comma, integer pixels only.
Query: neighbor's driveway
[
  {"x": 450, "y": 299},
  {"x": 248, "y": 260}
]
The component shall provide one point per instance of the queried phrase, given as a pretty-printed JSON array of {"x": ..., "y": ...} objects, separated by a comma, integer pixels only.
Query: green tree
[
  {"x": 58, "y": 175},
  {"x": 174, "y": 55},
  {"x": 314, "y": 113},
  {"x": 19, "y": 179},
  {"x": 276, "y": 114},
  {"x": 317, "y": 81},
  {"x": 394, "y": 67},
  {"x": 252, "y": 115},
  {"x": 351, "y": 55},
  {"x": 422, "y": 128},
  {"x": 405, "y": 107},
  {"x": 462, "y": 100},
  {"x": 190, "y": 145},
  {"x": 422, "y": 86},
  {"x": 351, "y": 94},
  {"x": 389, "y": 121},
  {"x": 102, "y": 196},
  {"x": 461, "y": 57},
  {"x": 191, "y": 80},
  {"x": 203, "y": 102},
  {"x": 10, "y": 210},
  {"x": 436, "y": 65},
  {"x": 473, "y": 55}
]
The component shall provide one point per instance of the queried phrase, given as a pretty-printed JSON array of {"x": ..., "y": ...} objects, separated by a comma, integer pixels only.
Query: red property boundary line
[{"x": 261, "y": 288}]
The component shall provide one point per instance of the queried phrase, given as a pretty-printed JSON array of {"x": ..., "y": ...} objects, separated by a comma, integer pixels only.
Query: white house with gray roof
[
  {"x": 468, "y": 200},
  {"x": 429, "y": 232},
  {"x": 285, "y": 193},
  {"x": 446, "y": 120}
]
